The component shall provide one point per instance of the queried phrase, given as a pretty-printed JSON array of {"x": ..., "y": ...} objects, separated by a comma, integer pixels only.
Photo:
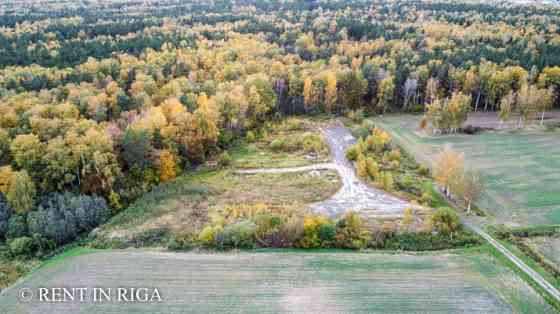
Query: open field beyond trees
[
  {"x": 520, "y": 167},
  {"x": 462, "y": 282}
]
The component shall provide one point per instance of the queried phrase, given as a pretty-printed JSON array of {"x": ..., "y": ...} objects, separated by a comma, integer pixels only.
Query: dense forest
[{"x": 102, "y": 100}]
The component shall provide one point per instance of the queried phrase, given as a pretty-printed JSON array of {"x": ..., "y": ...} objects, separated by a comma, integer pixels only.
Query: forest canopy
[{"x": 102, "y": 100}]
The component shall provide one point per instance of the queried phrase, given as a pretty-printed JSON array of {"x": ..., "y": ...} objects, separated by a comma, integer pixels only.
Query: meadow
[
  {"x": 288, "y": 282},
  {"x": 521, "y": 168},
  {"x": 186, "y": 203}
]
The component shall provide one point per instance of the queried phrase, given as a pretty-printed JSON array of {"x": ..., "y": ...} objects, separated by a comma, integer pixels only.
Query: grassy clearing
[
  {"x": 290, "y": 142},
  {"x": 520, "y": 168},
  {"x": 467, "y": 281},
  {"x": 185, "y": 204}
]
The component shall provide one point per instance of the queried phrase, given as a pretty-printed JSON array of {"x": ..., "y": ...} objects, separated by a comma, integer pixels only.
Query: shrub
[
  {"x": 206, "y": 237},
  {"x": 224, "y": 159},
  {"x": 352, "y": 232},
  {"x": 352, "y": 153},
  {"x": 426, "y": 198},
  {"x": 356, "y": 115},
  {"x": 368, "y": 125},
  {"x": 277, "y": 144},
  {"x": 266, "y": 225},
  {"x": 150, "y": 237},
  {"x": 446, "y": 221},
  {"x": 313, "y": 143},
  {"x": 290, "y": 232},
  {"x": 16, "y": 227},
  {"x": 406, "y": 183},
  {"x": 372, "y": 168},
  {"x": 361, "y": 132},
  {"x": 385, "y": 181},
  {"x": 21, "y": 246},
  {"x": 226, "y": 138},
  {"x": 250, "y": 137},
  {"x": 408, "y": 219},
  {"x": 426, "y": 241},
  {"x": 395, "y": 155},
  {"x": 423, "y": 170},
  {"x": 240, "y": 234},
  {"x": 42, "y": 246},
  {"x": 183, "y": 242},
  {"x": 292, "y": 124},
  {"x": 6, "y": 174},
  {"x": 361, "y": 166},
  {"x": 326, "y": 233},
  {"x": 312, "y": 238}
]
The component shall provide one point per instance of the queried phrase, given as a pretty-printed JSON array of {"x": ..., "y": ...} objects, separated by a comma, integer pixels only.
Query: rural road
[
  {"x": 477, "y": 227},
  {"x": 518, "y": 262},
  {"x": 354, "y": 195}
]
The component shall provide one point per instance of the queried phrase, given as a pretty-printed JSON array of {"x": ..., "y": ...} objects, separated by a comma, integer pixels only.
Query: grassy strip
[
  {"x": 535, "y": 265},
  {"x": 513, "y": 239},
  {"x": 539, "y": 258},
  {"x": 72, "y": 251},
  {"x": 508, "y": 263}
]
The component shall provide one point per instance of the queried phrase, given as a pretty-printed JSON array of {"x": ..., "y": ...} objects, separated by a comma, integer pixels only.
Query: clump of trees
[
  {"x": 450, "y": 172},
  {"x": 58, "y": 219}
]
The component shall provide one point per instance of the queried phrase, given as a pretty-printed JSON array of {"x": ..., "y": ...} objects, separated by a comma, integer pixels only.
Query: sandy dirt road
[{"x": 354, "y": 195}]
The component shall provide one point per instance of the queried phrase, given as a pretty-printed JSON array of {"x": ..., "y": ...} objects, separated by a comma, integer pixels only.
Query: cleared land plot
[
  {"x": 521, "y": 168},
  {"x": 287, "y": 282},
  {"x": 185, "y": 203},
  {"x": 292, "y": 142}
]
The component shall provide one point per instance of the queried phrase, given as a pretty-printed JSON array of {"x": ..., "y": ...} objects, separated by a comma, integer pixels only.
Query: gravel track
[{"x": 354, "y": 194}]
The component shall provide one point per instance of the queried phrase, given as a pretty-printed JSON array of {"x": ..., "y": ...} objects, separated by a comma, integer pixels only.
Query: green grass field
[
  {"x": 287, "y": 281},
  {"x": 521, "y": 168}
]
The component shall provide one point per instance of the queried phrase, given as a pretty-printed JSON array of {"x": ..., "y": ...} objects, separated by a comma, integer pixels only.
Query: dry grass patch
[{"x": 185, "y": 204}]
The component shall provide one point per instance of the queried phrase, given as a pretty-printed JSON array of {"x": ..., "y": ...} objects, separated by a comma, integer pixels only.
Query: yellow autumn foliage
[{"x": 167, "y": 166}]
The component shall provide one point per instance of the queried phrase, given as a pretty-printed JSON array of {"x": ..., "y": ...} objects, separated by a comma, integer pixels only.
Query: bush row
[
  {"x": 248, "y": 227},
  {"x": 537, "y": 256},
  {"x": 503, "y": 232}
]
